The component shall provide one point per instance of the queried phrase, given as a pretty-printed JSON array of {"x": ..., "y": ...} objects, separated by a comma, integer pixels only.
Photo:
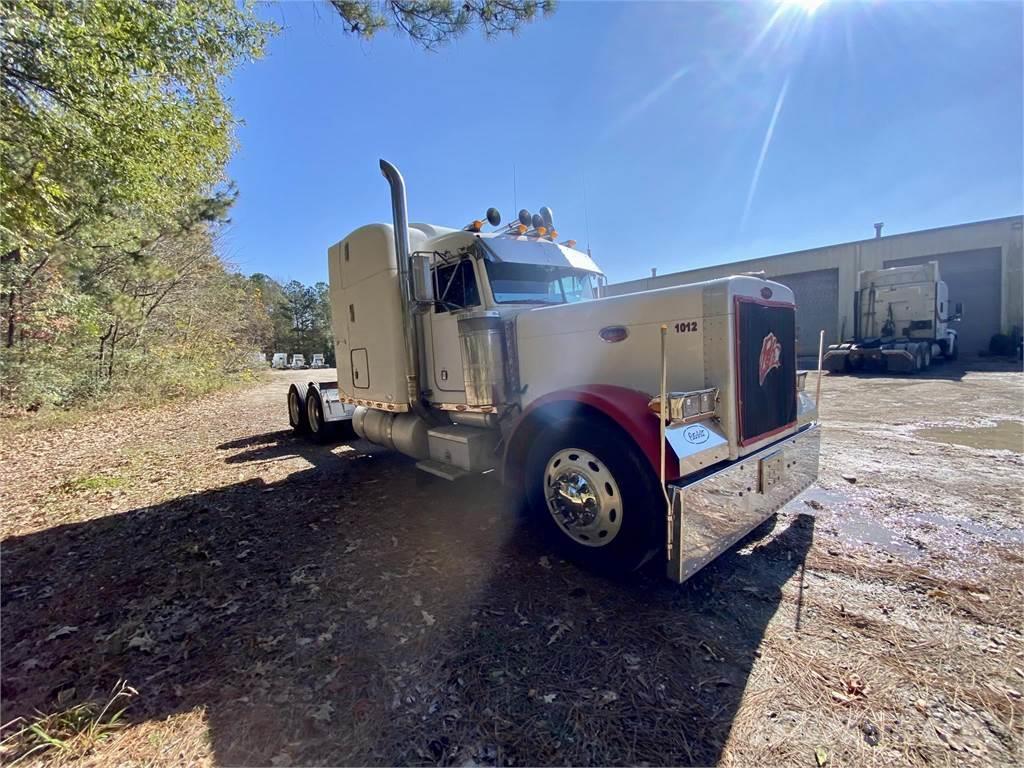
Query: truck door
[{"x": 456, "y": 289}]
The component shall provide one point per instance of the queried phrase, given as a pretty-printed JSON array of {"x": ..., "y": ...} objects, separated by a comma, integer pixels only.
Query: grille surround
[{"x": 769, "y": 406}]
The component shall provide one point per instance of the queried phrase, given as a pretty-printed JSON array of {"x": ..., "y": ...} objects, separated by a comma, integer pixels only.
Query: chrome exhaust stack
[{"x": 403, "y": 253}]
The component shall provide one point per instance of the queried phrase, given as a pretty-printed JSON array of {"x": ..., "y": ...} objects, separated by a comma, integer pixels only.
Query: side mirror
[{"x": 422, "y": 280}]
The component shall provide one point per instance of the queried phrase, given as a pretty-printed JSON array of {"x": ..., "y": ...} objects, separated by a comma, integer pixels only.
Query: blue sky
[{"x": 666, "y": 135}]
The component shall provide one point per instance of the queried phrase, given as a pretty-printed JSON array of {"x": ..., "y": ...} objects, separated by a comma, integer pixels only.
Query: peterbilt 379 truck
[
  {"x": 671, "y": 421},
  {"x": 902, "y": 318}
]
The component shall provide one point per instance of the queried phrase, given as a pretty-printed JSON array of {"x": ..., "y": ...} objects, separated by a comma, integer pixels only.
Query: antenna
[
  {"x": 586, "y": 215},
  {"x": 515, "y": 192}
]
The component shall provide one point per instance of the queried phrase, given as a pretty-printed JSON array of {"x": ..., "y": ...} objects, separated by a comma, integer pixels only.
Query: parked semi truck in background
[
  {"x": 671, "y": 420},
  {"x": 902, "y": 322}
]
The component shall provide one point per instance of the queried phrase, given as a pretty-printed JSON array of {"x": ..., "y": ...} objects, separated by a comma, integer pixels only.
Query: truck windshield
[{"x": 538, "y": 284}]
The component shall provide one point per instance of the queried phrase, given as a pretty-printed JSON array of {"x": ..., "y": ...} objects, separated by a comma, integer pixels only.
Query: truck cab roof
[{"x": 501, "y": 247}]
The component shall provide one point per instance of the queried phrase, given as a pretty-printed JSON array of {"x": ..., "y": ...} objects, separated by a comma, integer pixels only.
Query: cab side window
[{"x": 455, "y": 287}]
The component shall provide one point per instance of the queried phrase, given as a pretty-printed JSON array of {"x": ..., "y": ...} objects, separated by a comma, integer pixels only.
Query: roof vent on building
[{"x": 878, "y": 228}]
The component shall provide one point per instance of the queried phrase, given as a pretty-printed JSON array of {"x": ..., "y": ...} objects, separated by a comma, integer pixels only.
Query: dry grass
[
  {"x": 280, "y": 603},
  {"x": 73, "y": 733}
]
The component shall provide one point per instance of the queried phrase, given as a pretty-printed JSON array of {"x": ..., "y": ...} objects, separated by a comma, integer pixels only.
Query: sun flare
[{"x": 807, "y": 6}]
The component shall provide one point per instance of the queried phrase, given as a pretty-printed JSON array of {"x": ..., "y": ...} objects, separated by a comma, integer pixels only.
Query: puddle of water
[
  {"x": 859, "y": 528},
  {"x": 1003, "y": 535},
  {"x": 1004, "y": 436},
  {"x": 853, "y": 527}
]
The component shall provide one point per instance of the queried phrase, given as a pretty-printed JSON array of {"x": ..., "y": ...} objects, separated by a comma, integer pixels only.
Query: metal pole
[
  {"x": 662, "y": 411},
  {"x": 821, "y": 356}
]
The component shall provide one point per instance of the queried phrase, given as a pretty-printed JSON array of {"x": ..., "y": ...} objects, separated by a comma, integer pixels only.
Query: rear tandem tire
[
  {"x": 584, "y": 460},
  {"x": 297, "y": 411},
  {"x": 321, "y": 430}
]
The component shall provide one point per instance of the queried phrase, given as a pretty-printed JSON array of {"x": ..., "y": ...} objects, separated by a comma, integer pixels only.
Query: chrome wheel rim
[
  {"x": 583, "y": 497},
  {"x": 311, "y": 415},
  {"x": 293, "y": 408}
]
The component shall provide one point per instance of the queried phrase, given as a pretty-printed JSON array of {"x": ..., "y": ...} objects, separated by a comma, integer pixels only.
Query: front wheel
[{"x": 594, "y": 495}]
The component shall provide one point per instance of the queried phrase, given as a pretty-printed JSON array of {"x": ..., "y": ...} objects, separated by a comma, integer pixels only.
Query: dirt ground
[{"x": 273, "y": 602}]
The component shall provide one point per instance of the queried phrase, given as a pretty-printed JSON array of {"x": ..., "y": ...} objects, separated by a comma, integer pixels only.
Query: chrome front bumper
[{"x": 711, "y": 513}]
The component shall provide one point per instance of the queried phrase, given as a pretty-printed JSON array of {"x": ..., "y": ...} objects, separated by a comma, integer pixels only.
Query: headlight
[{"x": 687, "y": 406}]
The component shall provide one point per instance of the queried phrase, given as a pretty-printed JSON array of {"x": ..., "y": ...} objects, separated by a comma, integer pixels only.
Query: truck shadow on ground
[{"x": 356, "y": 614}]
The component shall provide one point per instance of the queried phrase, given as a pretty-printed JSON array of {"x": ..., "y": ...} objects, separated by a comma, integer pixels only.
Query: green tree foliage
[
  {"x": 432, "y": 23},
  {"x": 300, "y": 318},
  {"x": 113, "y": 139},
  {"x": 114, "y": 134}
]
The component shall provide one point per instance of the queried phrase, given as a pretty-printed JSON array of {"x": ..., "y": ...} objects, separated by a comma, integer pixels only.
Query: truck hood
[{"x": 561, "y": 347}]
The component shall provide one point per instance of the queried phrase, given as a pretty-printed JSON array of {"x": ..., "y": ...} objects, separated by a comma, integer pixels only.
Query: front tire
[{"x": 594, "y": 495}]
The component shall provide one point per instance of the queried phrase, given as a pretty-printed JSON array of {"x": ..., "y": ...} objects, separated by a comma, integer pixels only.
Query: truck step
[{"x": 440, "y": 469}]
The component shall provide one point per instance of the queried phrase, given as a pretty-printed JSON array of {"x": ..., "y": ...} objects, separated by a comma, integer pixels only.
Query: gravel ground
[{"x": 275, "y": 602}]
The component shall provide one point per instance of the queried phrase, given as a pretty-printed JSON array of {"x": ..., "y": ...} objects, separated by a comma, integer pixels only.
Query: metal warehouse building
[{"x": 981, "y": 262}]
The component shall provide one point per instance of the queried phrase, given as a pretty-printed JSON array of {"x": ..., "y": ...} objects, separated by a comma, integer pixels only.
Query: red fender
[{"x": 626, "y": 407}]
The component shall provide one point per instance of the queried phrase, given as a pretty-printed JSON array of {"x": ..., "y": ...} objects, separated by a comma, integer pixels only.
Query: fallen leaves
[
  {"x": 61, "y": 632},
  {"x": 323, "y": 712},
  {"x": 560, "y": 627},
  {"x": 142, "y": 642},
  {"x": 853, "y": 688},
  {"x": 959, "y": 744}
]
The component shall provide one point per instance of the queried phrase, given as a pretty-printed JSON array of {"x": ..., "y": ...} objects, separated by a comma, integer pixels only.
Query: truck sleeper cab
[
  {"x": 667, "y": 420},
  {"x": 902, "y": 322}
]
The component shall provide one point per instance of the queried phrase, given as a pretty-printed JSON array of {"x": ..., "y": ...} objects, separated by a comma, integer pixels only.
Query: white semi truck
[
  {"x": 902, "y": 318},
  {"x": 318, "y": 361},
  {"x": 669, "y": 421},
  {"x": 279, "y": 360}
]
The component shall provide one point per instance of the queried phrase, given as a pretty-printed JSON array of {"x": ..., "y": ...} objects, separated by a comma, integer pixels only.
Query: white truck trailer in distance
[
  {"x": 670, "y": 421},
  {"x": 902, "y": 322},
  {"x": 279, "y": 360}
]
